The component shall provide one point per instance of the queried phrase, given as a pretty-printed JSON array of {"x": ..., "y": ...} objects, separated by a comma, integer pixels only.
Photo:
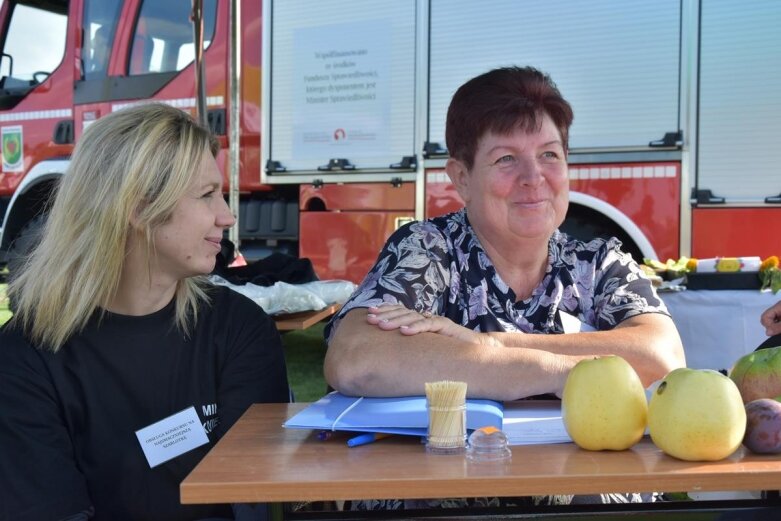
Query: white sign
[
  {"x": 342, "y": 90},
  {"x": 172, "y": 437}
]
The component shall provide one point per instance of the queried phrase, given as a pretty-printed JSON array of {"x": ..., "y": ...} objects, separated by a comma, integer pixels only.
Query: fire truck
[{"x": 330, "y": 113}]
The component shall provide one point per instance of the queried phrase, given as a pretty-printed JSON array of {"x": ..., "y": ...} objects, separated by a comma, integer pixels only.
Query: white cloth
[
  {"x": 292, "y": 298},
  {"x": 718, "y": 326}
]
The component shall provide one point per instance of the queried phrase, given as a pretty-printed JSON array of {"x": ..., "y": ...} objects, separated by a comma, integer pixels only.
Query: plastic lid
[{"x": 488, "y": 444}]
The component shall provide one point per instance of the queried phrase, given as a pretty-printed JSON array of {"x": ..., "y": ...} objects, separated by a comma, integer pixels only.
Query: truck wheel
[
  {"x": 24, "y": 243},
  {"x": 586, "y": 225}
]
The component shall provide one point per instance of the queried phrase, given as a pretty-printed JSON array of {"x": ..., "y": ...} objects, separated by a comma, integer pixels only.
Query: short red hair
[{"x": 500, "y": 101}]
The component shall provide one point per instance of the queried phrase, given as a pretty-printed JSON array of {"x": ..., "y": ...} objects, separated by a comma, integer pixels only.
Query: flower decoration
[
  {"x": 769, "y": 274},
  {"x": 770, "y": 262}
]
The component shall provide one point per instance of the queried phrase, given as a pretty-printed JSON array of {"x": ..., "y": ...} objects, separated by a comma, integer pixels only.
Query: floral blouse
[{"x": 439, "y": 265}]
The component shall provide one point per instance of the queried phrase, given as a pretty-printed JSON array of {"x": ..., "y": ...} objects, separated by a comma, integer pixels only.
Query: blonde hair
[{"x": 135, "y": 162}]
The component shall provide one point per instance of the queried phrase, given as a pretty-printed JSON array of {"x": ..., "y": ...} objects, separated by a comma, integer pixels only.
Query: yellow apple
[
  {"x": 603, "y": 404},
  {"x": 697, "y": 415}
]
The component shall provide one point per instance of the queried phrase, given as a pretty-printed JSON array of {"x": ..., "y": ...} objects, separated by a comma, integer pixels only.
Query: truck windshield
[
  {"x": 34, "y": 43},
  {"x": 163, "y": 37},
  {"x": 100, "y": 21}
]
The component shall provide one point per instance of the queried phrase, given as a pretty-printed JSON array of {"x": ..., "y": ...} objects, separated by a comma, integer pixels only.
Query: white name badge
[
  {"x": 572, "y": 324},
  {"x": 172, "y": 437}
]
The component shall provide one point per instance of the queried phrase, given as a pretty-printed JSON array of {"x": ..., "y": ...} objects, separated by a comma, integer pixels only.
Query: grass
[
  {"x": 304, "y": 352},
  {"x": 5, "y": 314}
]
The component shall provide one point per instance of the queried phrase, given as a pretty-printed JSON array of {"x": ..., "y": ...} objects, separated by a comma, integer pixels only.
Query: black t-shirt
[{"x": 68, "y": 420}]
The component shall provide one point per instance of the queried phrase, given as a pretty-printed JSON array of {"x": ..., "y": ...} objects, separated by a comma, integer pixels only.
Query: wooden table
[
  {"x": 304, "y": 319},
  {"x": 260, "y": 461}
]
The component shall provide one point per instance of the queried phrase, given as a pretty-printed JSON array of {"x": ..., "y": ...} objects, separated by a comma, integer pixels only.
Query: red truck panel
[
  {"x": 345, "y": 245},
  {"x": 735, "y": 232},
  {"x": 360, "y": 196},
  {"x": 648, "y": 194}
]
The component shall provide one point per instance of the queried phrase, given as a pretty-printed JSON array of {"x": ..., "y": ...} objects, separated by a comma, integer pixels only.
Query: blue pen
[{"x": 363, "y": 439}]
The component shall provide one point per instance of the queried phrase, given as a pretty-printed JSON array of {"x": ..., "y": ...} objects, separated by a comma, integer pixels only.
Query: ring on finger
[{"x": 426, "y": 314}]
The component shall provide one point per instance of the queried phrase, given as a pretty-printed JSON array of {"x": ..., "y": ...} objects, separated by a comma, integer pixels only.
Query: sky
[{"x": 43, "y": 52}]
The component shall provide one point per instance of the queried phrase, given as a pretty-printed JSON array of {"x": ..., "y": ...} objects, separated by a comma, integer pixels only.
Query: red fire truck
[{"x": 331, "y": 112}]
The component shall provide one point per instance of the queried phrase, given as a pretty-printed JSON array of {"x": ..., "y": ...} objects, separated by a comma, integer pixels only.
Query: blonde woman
[{"x": 115, "y": 331}]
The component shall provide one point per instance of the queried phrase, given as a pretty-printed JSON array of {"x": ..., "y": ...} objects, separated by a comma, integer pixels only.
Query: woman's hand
[{"x": 410, "y": 322}]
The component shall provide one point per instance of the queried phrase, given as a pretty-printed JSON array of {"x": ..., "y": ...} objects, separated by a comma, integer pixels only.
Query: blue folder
[{"x": 404, "y": 415}]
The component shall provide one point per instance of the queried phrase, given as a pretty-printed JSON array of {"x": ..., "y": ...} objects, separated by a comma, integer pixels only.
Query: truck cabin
[{"x": 24, "y": 66}]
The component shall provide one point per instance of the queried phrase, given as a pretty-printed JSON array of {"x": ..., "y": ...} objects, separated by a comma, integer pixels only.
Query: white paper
[
  {"x": 172, "y": 437},
  {"x": 531, "y": 422},
  {"x": 342, "y": 85}
]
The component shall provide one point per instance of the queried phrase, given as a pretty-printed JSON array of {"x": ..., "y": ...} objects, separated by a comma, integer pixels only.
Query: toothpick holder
[{"x": 446, "y": 429}]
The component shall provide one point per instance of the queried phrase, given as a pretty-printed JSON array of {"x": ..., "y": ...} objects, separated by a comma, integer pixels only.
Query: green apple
[
  {"x": 697, "y": 415},
  {"x": 603, "y": 404},
  {"x": 758, "y": 374}
]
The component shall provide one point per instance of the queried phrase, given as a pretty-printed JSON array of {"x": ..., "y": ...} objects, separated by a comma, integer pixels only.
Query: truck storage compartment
[{"x": 345, "y": 245}]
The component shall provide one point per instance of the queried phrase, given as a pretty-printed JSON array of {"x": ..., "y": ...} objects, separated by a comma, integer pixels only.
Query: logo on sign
[{"x": 12, "y": 149}]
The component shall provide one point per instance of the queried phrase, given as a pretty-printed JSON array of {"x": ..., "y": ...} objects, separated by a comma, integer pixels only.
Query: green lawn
[
  {"x": 304, "y": 351},
  {"x": 4, "y": 313}
]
